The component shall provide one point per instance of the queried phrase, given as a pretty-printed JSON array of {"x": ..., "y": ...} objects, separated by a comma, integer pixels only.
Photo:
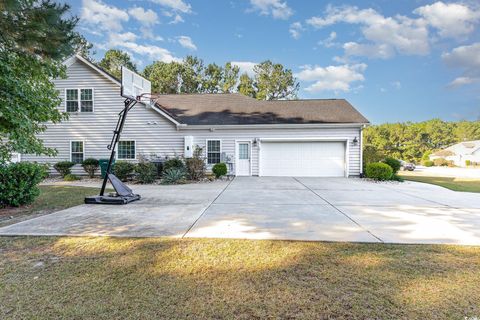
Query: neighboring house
[
  {"x": 259, "y": 138},
  {"x": 460, "y": 153}
]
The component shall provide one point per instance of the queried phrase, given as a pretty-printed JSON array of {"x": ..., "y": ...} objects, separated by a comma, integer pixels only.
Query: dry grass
[
  {"x": 455, "y": 184},
  {"x": 113, "y": 278},
  {"x": 51, "y": 199}
]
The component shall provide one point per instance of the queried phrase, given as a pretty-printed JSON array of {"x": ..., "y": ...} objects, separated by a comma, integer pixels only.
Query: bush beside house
[
  {"x": 379, "y": 171},
  {"x": 19, "y": 183},
  {"x": 90, "y": 165},
  {"x": 64, "y": 167}
]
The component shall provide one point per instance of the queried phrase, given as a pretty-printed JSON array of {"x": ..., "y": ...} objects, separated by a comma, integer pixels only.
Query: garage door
[{"x": 303, "y": 159}]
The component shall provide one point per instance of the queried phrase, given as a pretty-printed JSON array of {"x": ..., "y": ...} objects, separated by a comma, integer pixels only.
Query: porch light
[{"x": 355, "y": 141}]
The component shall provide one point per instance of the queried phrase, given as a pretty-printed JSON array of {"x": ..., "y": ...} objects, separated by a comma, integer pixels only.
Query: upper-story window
[{"x": 79, "y": 100}]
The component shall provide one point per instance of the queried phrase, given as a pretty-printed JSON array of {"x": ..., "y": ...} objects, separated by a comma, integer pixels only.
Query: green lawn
[
  {"x": 51, "y": 199},
  {"x": 123, "y": 278},
  {"x": 455, "y": 184}
]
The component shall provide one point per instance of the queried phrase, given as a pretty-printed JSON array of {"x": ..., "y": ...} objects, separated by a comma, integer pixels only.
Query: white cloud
[
  {"x": 382, "y": 51},
  {"x": 147, "y": 18},
  {"x": 396, "y": 84},
  {"x": 178, "y": 19},
  {"x": 296, "y": 29},
  {"x": 390, "y": 34},
  {"x": 105, "y": 17},
  {"x": 127, "y": 41},
  {"x": 329, "y": 41},
  {"x": 276, "y": 8},
  {"x": 187, "y": 43},
  {"x": 466, "y": 58},
  {"x": 452, "y": 20},
  {"x": 461, "y": 81},
  {"x": 245, "y": 67},
  {"x": 176, "y": 5},
  {"x": 332, "y": 78}
]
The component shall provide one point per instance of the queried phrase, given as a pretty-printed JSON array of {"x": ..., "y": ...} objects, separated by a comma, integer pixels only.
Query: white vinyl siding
[
  {"x": 153, "y": 133},
  {"x": 126, "y": 150}
]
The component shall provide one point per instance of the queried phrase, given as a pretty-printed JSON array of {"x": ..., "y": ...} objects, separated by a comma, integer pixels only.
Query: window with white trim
[
  {"x": 126, "y": 150},
  {"x": 79, "y": 100},
  {"x": 76, "y": 151},
  {"x": 213, "y": 151}
]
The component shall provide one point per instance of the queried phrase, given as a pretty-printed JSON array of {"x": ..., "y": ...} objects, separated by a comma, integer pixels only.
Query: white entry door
[
  {"x": 243, "y": 158},
  {"x": 303, "y": 158}
]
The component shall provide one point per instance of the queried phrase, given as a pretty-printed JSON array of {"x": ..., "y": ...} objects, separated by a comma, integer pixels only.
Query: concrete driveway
[{"x": 329, "y": 209}]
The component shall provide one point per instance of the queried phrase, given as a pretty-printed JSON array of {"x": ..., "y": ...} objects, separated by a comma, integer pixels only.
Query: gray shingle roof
[{"x": 234, "y": 109}]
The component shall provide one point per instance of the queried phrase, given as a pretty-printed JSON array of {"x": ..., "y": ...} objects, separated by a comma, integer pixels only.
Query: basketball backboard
[{"x": 134, "y": 86}]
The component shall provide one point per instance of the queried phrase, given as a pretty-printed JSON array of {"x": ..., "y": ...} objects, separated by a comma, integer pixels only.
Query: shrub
[
  {"x": 147, "y": 171},
  {"x": 70, "y": 177},
  {"x": 428, "y": 163},
  {"x": 450, "y": 163},
  {"x": 173, "y": 175},
  {"x": 64, "y": 167},
  {"x": 371, "y": 154},
  {"x": 379, "y": 171},
  {"x": 196, "y": 165},
  {"x": 468, "y": 163},
  {"x": 393, "y": 163},
  {"x": 90, "y": 165},
  {"x": 18, "y": 183},
  {"x": 440, "y": 162},
  {"x": 173, "y": 163},
  {"x": 123, "y": 170},
  {"x": 219, "y": 169},
  {"x": 426, "y": 156}
]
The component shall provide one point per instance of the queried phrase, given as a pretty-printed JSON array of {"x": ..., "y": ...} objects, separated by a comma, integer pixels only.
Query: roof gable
[{"x": 98, "y": 69}]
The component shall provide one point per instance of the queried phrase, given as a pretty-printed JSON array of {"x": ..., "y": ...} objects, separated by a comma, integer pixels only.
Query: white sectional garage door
[{"x": 302, "y": 158}]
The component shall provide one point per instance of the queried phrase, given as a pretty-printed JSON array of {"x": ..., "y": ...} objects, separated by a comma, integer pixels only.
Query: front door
[{"x": 243, "y": 158}]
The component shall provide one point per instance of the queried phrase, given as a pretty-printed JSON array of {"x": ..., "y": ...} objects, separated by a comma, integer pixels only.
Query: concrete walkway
[{"x": 328, "y": 209}]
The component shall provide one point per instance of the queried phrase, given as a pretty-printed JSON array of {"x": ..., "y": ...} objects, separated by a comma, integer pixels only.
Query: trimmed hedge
[
  {"x": 64, "y": 167},
  {"x": 428, "y": 163},
  {"x": 379, "y": 171},
  {"x": 147, "y": 172},
  {"x": 19, "y": 183},
  {"x": 219, "y": 169},
  {"x": 123, "y": 170},
  {"x": 90, "y": 165},
  {"x": 176, "y": 163},
  {"x": 393, "y": 163}
]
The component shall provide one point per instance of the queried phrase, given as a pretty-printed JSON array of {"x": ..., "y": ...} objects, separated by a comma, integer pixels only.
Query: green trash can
[{"x": 103, "y": 166}]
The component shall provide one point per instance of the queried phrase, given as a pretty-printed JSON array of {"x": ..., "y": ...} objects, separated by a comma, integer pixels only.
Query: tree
[
  {"x": 165, "y": 77},
  {"x": 84, "y": 48},
  {"x": 34, "y": 40},
  {"x": 191, "y": 74},
  {"x": 246, "y": 86},
  {"x": 212, "y": 78},
  {"x": 114, "y": 60},
  {"x": 229, "y": 77},
  {"x": 274, "y": 82}
]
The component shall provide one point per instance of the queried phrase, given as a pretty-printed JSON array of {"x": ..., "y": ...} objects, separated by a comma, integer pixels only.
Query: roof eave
[{"x": 273, "y": 126}]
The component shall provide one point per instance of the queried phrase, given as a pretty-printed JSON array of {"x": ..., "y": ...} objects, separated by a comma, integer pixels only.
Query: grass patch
[
  {"x": 51, "y": 199},
  {"x": 455, "y": 184},
  {"x": 112, "y": 278}
]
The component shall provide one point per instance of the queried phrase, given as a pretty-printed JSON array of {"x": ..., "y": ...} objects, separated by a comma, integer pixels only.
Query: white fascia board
[
  {"x": 304, "y": 139},
  {"x": 274, "y": 126}
]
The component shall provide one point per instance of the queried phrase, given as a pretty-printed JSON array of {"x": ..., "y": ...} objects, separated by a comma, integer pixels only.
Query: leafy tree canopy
[
  {"x": 35, "y": 38},
  {"x": 271, "y": 81},
  {"x": 410, "y": 141},
  {"x": 114, "y": 60}
]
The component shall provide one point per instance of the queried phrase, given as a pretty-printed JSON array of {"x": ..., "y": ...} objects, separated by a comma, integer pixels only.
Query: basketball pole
[{"x": 129, "y": 104}]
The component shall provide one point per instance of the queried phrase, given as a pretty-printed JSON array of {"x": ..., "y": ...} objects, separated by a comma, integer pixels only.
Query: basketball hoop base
[{"x": 112, "y": 199}]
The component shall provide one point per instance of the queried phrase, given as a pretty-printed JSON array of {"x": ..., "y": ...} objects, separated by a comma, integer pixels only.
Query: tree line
[
  {"x": 413, "y": 140},
  {"x": 270, "y": 81}
]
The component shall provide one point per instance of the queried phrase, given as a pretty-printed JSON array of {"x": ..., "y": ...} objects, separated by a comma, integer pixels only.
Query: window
[
  {"x": 79, "y": 100},
  {"x": 213, "y": 151},
  {"x": 126, "y": 150},
  {"x": 76, "y": 151},
  {"x": 72, "y": 100},
  {"x": 243, "y": 153}
]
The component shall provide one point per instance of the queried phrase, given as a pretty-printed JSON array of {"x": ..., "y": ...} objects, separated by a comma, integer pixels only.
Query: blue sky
[{"x": 393, "y": 60}]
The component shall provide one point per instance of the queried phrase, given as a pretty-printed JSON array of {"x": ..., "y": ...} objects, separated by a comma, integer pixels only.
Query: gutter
[{"x": 271, "y": 126}]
